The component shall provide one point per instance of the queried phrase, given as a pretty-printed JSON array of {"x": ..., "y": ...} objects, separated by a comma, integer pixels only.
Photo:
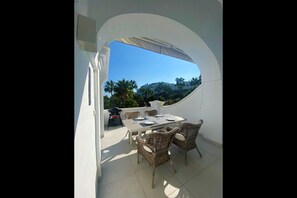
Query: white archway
[
  {"x": 162, "y": 28},
  {"x": 168, "y": 30}
]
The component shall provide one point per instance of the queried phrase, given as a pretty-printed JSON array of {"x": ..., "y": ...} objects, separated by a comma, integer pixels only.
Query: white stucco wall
[
  {"x": 212, "y": 111},
  {"x": 203, "y": 103},
  {"x": 85, "y": 167},
  {"x": 189, "y": 107}
]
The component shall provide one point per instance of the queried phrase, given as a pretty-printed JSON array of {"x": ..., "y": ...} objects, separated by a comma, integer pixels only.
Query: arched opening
[
  {"x": 164, "y": 29},
  {"x": 154, "y": 66}
]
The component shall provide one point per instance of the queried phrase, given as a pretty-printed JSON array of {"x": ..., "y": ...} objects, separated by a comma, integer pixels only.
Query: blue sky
[{"x": 134, "y": 63}]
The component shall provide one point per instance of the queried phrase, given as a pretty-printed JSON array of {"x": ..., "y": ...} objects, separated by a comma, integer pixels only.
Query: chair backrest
[
  {"x": 161, "y": 140},
  {"x": 190, "y": 130},
  {"x": 130, "y": 115},
  {"x": 151, "y": 112}
]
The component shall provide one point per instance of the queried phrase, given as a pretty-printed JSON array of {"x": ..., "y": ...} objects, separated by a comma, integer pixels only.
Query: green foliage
[
  {"x": 109, "y": 87},
  {"x": 123, "y": 95},
  {"x": 163, "y": 90},
  {"x": 124, "y": 90},
  {"x": 146, "y": 94},
  {"x": 195, "y": 81},
  {"x": 107, "y": 102},
  {"x": 180, "y": 83}
]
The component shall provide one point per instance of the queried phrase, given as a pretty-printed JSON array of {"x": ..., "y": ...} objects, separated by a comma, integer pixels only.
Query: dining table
[{"x": 145, "y": 123}]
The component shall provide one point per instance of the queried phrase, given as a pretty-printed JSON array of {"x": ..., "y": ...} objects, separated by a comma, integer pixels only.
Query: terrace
[
  {"x": 105, "y": 164},
  {"x": 123, "y": 177}
]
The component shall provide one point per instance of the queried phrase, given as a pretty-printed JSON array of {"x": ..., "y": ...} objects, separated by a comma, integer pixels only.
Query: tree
[
  {"x": 164, "y": 90},
  {"x": 194, "y": 82},
  {"x": 109, "y": 87},
  {"x": 180, "y": 83},
  {"x": 124, "y": 90},
  {"x": 200, "y": 80},
  {"x": 146, "y": 93},
  {"x": 133, "y": 84},
  {"x": 107, "y": 102}
]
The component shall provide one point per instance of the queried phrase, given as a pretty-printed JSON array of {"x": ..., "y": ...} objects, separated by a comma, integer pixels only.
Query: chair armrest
[
  {"x": 144, "y": 142},
  {"x": 140, "y": 140},
  {"x": 161, "y": 130}
]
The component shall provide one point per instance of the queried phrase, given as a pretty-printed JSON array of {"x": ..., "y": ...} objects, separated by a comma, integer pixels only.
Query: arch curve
[{"x": 166, "y": 29}]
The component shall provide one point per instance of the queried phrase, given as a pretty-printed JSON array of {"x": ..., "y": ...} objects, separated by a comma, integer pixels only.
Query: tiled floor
[{"x": 123, "y": 177}]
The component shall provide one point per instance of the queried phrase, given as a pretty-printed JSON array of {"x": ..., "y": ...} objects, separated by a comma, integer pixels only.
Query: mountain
[{"x": 173, "y": 87}]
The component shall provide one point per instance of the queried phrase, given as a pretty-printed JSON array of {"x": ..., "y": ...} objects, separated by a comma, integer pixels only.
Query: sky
[{"x": 145, "y": 67}]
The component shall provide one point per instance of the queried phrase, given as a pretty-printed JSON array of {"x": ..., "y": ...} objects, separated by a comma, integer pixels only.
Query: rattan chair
[
  {"x": 186, "y": 137},
  {"x": 131, "y": 115},
  {"x": 151, "y": 112},
  {"x": 154, "y": 147}
]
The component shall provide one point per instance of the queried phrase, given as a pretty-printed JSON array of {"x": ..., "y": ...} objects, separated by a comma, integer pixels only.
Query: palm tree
[
  {"x": 124, "y": 90},
  {"x": 146, "y": 93},
  {"x": 109, "y": 87},
  {"x": 194, "y": 82},
  {"x": 133, "y": 84}
]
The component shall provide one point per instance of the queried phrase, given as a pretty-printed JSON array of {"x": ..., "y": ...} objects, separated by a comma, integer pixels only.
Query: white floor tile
[
  {"x": 116, "y": 169},
  {"x": 185, "y": 173},
  {"x": 206, "y": 185},
  {"x": 182, "y": 192},
  {"x": 203, "y": 161},
  {"x": 126, "y": 187},
  {"x": 210, "y": 148},
  {"x": 165, "y": 182},
  {"x": 142, "y": 165}
]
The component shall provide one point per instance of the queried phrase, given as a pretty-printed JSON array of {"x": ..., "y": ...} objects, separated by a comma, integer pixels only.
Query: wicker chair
[
  {"x": 186, "y": 137},
  {"x": 154, "y": 147},
  {"x": 151, "y": 112},
  {"x": 131, "y": 115}
]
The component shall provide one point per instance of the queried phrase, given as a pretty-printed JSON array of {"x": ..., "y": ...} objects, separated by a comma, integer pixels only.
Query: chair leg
[
  {"x": 153, "y": 177},
  {"x": 137, "y": 156},
  {"x": 186, "y": 161},
  {"x": 198, "y": 151},
  {"x": 130, "y": 138},
  {"x": 171, "y": 163}
]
